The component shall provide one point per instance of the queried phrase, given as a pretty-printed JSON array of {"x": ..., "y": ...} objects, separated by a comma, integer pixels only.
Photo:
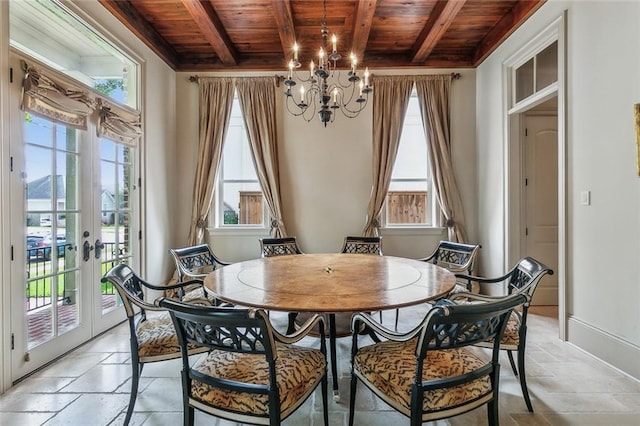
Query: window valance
[
  {"x": 45, "y": 95},
  {"x": 119, "y": 124},
  {"x": 49, "y": 95}
]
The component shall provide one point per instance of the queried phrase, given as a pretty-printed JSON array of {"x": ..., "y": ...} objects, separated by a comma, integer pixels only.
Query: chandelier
[{"x": 321, "y": 88}]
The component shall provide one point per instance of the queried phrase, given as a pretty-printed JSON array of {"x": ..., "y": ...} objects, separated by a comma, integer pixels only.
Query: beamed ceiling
[{"x": 213, "y": 35}]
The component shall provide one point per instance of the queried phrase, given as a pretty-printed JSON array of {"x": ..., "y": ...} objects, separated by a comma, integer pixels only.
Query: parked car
[
  {"x": 39, "y": 247},
  {"x": 61, "y": 244},
  {"x": 34, "y": 245}
]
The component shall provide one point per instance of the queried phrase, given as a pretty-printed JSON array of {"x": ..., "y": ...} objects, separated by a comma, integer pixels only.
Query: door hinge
[
  {"x": 12, "y": 252},
  {"x": 526, "y": 231},
  {"x": 526, "y": 132},
  {"x": 140, "y": 235},
  {"x": 10, "y": 74},
  {"x": 13, "y": 341},
  {"x": 11, "y": 163},
  {"x": 139, "y": 182},
  {"x": 526, "y": 182}
]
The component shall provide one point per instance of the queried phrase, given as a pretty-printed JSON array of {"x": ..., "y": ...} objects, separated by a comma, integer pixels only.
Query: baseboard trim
[{"x": 618, "y": 353}]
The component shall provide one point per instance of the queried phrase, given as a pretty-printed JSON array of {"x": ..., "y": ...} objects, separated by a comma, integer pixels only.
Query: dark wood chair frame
[
  {"x": 242, "y": 331},
  {"x": 191, "y": 259},
  {"x": 279, "y": 246},
  {"x": 446, "y": 326},
  {"x": 362, "y": 245},
  {"x": 131, "y": 289},
  {"x": 523, "y": 279},
  {"x": 456, "y": 257}
]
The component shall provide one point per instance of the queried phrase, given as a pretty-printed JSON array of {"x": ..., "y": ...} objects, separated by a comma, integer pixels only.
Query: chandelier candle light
[{"x": 323, "y": 88}]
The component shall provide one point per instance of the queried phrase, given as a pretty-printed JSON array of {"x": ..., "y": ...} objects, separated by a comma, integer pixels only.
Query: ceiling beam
[
  {"x": 504, "y": 28},
  {"x": 362, "y": 26},
  {"x": 212, "y": 29},
  {"x": 284, "y": 20},
  {"x": 143, "y": 29},
  {"x": 440, "y": 19}
]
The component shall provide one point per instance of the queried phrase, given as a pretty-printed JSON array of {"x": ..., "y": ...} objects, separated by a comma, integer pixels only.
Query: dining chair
[
  {"x": 523, "y": 279},
  {"x": 362, "y": 245},
  {"x": 457, "y": 258},
  {"x": 195, "y": 262},
  {"x": 251, "y": 374},
  {"x": 279, "y": 246},
  {"x": 152, "y": 337},
  {"x": 429, "y": 373}
]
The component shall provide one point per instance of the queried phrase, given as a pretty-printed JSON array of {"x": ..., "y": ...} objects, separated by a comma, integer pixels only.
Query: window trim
[{"x": 215, "y": 220}]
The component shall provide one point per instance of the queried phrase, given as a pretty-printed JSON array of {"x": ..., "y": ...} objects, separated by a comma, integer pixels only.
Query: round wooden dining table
[{"x": 330, "y": 283}]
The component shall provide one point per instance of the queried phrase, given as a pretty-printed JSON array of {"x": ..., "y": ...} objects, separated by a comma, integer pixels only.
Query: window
[
  {"x": 239, "y": 200},
  {"x": 537, "y": 73},
  {"x": 51, "y": 32},
  {"x": 410, "y": 200}
]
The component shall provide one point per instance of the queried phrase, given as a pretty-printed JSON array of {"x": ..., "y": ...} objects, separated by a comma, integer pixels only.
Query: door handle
[
  {"x": 99, "y": 247},
  {"x": 86, "y": 249}
]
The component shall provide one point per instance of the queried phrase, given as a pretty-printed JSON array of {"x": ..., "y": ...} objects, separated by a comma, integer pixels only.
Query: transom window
[
  {"x": 410, "y": 200},
  {"x": 239, "y": 200}
]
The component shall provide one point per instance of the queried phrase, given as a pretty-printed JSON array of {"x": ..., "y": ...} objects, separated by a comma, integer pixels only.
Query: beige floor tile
[{"x": 91, "y": 386}]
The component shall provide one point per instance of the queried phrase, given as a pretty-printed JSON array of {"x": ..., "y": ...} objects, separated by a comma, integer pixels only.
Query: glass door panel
[
  {"x": 52, "y": 300},
  {"x": 116, "y": 168}
]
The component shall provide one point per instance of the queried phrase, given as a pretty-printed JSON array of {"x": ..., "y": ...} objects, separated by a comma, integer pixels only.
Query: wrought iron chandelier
[{"x": 321, "y": 89}]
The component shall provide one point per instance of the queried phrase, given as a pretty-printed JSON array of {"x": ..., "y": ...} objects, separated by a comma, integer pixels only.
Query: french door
[{"x": 73, "y": 217}]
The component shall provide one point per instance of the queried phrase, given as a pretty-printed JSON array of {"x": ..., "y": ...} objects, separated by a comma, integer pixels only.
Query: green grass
[{"x": 41, "y": 287}]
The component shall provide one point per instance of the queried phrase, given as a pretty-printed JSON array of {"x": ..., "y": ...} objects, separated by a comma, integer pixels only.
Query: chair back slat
[
  {"x": 362, "y": 245},
  {"x": 449, "y": 325},
  {"x": 130, "y": 288},
  {"x": 227, "y": 329},
  {"x": 456, "y": 257},
  {"x": 195, "y": 261},
  {"x": 279, "y": 246},
  {"x": 526, "y": 275}
]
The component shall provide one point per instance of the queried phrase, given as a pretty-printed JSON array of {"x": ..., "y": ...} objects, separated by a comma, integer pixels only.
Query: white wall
[
  {"x": 326, "y": 174},
  {"x": 603, "y": 241}
]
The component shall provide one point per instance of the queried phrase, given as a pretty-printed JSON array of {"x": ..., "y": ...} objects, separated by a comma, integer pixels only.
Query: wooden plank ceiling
[{"x": 215, "y": 35}]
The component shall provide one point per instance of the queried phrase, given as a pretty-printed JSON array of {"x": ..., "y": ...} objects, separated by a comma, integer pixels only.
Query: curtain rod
[{"x": 194, "y": 78}]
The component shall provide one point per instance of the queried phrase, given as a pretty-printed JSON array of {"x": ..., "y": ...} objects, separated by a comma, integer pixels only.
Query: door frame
[
  {"x": 5, "y": 253},
  {"x": 514, "y": 161}
]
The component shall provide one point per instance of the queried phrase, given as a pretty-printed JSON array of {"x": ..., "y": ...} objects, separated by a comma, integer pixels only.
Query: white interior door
[
  {"x": 541, "y": 200},
  {"x": 72, "y": 218}
]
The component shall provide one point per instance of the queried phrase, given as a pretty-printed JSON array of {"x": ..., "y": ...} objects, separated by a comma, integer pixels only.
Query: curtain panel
[
  {"x": 215, "y": 101},
  {"x": 50, "y": 97},
  {"x": 390, "y": 102},
  {"x": 434, "y": 95},
  {"x": 258, "y": 101}
]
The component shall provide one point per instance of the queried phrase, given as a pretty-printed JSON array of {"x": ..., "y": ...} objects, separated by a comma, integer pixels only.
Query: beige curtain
[
  {"x": 258, "y": 101},
  {"x": 390, "y": 101},
  {"x": 48, "y": 96},
  {"x": 434, "y": 97},
  {"x": 118, "y": 123},
  {"x": 216, "y": 99}
]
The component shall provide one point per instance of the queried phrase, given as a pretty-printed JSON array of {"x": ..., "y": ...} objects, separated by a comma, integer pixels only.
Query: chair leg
[
  {"x": 189, "y": 416},
  {"x": 333, "y": 351},
  {"x": 291, "y": 326},
  {"x": 136, "y": 371},
  {"x": 397, "y": 316},
  {"x": 352, "y": 397},
  {"x": 512, "y": 362},
  {"x": 492, "y": 413},
  {"x": 325, "y": 400},
  {"x": 523, "y": 380}
]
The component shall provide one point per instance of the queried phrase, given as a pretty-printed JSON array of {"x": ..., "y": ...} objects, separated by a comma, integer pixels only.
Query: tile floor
[{"x": 90, "y": 386}]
